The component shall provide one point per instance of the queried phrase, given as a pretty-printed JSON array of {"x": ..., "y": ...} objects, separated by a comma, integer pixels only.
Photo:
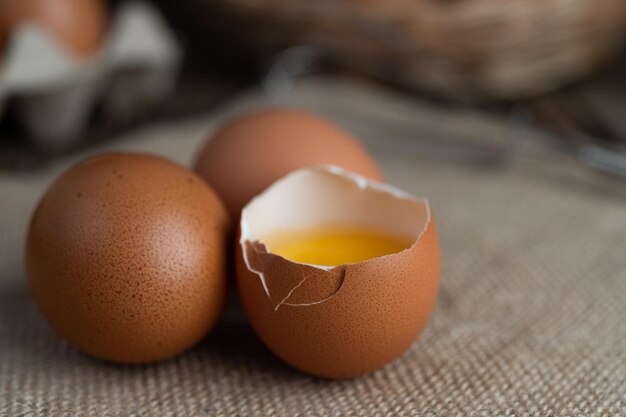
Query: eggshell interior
[
  {"x": 328, "y": 195},
  {"x": 320, "y": 196}
]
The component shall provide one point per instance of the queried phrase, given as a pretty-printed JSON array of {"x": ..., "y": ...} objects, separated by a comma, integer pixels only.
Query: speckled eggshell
[
  {"x": 348, "y": 320},
  {"x": 125, "y": 257},
  {"x": 79, "y": 25},
  {"x": 252, "y": 151}
]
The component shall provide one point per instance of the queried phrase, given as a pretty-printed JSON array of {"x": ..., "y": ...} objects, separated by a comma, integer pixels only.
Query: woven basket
[{"x": 469, "y": 50}]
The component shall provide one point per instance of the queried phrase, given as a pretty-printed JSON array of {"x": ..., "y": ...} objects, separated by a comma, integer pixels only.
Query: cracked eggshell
[
  {"x": 348, "y": 320},
  {"x": 126, "y": 257}
]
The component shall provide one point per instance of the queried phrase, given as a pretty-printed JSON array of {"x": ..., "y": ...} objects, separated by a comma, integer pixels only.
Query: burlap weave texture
[{"x": 531, "y": 319}]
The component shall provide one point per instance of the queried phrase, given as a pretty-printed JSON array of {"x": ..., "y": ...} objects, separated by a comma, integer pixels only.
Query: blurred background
[{"x": 77, "y": 73}]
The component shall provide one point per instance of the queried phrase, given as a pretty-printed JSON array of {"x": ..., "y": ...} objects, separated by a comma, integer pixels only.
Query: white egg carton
[{"x": 56, "y": 93}]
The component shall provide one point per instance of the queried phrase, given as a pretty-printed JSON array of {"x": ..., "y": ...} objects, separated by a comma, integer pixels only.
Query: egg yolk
[{"x": 334, "y": 246}]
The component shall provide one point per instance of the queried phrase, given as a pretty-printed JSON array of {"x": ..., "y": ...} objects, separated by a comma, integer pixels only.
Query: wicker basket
[{"x": 469, "y": 50}]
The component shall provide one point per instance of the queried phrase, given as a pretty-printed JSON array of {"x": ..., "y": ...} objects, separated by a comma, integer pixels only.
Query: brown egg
[
  {"x": 126, "y": 257},
  {"x": 340, "y": 320},
  {"x": 79, "y": 25},
  {"x": 254, "y": 150}
]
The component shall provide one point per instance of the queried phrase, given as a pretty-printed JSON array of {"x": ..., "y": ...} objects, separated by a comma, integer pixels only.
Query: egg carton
[{"x": 54, "y": 94}]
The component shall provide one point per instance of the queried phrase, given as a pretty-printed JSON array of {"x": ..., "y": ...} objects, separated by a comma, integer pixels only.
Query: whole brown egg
[
  {"x": 79, "y": 25},
  {"x": 126, "y": 257},
  {"x": 252, "y": 151}
]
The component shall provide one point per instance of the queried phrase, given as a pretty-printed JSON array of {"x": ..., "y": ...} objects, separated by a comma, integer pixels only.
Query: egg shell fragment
[{"x": 347, "y": 320}]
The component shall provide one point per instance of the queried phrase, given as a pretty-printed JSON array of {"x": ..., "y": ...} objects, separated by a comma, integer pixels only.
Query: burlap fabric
[{"x": 531, "y": 319}]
